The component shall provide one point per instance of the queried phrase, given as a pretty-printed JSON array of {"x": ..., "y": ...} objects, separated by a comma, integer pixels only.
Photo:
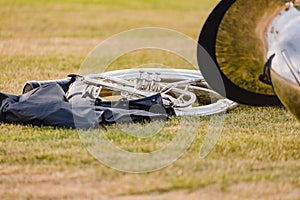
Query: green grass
[
  {"x": 179, "y": 5},
  {"x": 256, "y": 157},
  {"x": 263, "y": 148}
]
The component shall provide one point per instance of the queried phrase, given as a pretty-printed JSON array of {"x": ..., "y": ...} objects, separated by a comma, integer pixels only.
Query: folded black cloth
[{"x": 48, "y": 105}]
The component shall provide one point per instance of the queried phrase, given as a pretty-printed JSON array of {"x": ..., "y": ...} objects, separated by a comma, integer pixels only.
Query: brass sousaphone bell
[{"x": 256, "y": 47}]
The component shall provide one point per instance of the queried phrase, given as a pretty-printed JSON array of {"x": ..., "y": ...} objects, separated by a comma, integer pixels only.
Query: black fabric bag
[{"x": 48, "y": 105}]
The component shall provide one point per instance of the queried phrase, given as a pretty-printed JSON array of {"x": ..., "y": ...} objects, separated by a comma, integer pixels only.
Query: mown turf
[{"x": 256, "y": 157}]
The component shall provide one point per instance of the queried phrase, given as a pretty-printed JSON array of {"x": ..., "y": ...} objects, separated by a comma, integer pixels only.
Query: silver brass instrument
[
  {"x": 283, "y": 38},
  {"x": 256, "y": 45},
  {"x": 185, "y": 90}
]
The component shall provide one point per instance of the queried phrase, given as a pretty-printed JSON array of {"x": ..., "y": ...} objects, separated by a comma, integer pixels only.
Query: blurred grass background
[{"x": 257, "y": 156}]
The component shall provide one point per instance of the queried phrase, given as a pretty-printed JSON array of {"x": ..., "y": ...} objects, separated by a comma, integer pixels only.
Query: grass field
[{"x": 256, "y": 157}]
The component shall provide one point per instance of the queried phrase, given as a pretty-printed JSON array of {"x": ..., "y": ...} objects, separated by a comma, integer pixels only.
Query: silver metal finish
[
  {"x": 241, "y": 42},
  {"x": 262, "y": 34},
  {"x": 283, "y": 38},
  {"x": 185, "y": 90}
]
